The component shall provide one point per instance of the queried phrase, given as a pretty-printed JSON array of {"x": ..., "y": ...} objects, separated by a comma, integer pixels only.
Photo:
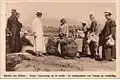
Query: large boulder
[
  {"x": 52, "y": 46},
  {"x": 68, "y": 47}
]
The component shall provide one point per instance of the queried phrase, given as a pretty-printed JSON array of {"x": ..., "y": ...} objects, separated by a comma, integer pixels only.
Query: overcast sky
[{"x": 57, "y": 10}]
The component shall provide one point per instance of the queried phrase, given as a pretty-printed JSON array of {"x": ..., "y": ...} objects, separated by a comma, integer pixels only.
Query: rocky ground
[{"x": 26, "y": 62}]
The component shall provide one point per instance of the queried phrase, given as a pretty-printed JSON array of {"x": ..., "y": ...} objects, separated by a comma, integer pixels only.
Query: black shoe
[
  {"x": 78, "y": 57},
  {"x": 91, "y": 57},
  {"x": 110, "y": 60},
  {"x": 97, "y": 58}
]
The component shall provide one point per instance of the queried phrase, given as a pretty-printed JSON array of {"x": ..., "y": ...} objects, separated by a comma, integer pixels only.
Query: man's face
[
  {"x": 63, "y": 21},
  {"x": 13, "y": 12},
  {"x": 91, "y": 17},
  {"x": 107, "y": 16}
]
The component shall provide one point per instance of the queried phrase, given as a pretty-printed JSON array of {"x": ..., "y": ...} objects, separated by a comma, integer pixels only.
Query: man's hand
[
  {"x": 110, "y": 36},
  {"x": 34, "y": 34},
  {"x": 9, "y": 33}
]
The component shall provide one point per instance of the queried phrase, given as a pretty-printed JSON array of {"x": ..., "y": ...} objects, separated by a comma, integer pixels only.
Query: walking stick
[{"x": 34, "y": 43}]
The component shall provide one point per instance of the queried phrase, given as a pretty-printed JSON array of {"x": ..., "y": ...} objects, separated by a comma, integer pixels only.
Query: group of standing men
[
  {"x": 108, "y": 52},
  {"x": 14, "y": 27},
  {"x": 109, "y": 31}
]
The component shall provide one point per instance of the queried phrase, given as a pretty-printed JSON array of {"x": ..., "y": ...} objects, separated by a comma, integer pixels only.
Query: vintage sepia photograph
[{"x": 60, "y": 36}]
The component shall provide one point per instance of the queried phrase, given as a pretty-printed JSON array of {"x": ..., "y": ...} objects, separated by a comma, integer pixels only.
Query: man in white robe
[{"x": 37, "y": 27}]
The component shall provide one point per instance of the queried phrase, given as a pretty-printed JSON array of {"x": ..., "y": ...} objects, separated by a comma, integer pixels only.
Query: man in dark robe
[
  {"x": 108, "y": 52},
  {"x": 93, "y": 28},
  {"x": 19, "y": 24},
  {"x": 13, "y": 25}
]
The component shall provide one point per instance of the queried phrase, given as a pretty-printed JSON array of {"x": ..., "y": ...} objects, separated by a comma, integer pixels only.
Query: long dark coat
[
  {"x": 110, "y": 28},
  {"x": 92, "y": 45},
  {"x": 14, "y": 26}
]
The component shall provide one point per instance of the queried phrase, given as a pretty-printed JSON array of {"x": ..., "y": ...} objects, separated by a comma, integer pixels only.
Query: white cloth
[
  {"x": 81, "y": 34},
  {"x": 110, "y": 41},
  {"x": 93, "y": 37},
  {"x": 38, "y": 29}
]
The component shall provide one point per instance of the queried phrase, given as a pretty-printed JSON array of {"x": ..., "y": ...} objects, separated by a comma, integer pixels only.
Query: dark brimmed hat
[
  {"x": 91, "y": 14},
  {"x": 83, "y": 22},
  {"x": 39, "y": 13},
  {"x": 13, "y": 10}
]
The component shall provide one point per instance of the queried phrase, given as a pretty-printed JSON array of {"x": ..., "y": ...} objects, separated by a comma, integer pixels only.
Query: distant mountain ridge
[{"x": 56, "y": 23}]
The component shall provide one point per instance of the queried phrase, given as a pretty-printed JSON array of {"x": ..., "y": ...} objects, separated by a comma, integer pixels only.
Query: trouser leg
[{"x": 92, "y": 49}]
